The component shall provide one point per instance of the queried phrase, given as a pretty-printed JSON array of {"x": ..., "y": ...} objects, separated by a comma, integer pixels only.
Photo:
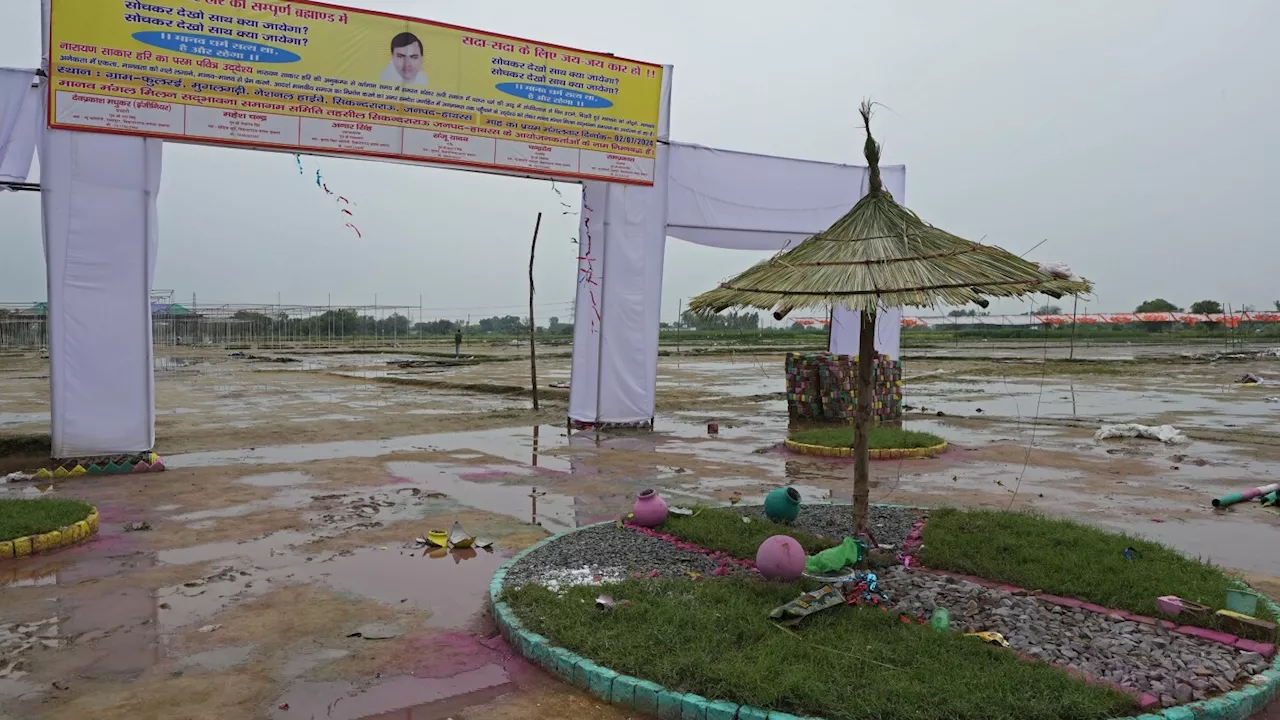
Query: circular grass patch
[
  {"x": 886, "y": 443},
  {"x": 713, "y": 637},
  {"x": 23, "y": 517},
  {"x": 40, "y": 525}
]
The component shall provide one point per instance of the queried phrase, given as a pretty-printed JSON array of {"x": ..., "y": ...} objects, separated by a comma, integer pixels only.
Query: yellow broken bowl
[{"x": 439, "y": 538}]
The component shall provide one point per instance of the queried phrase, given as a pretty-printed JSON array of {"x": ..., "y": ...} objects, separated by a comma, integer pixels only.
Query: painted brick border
[
  {"x": 886, "y": 454},
  {"x": 647, "y": 697},
  {"x": 63, "y": 537}
]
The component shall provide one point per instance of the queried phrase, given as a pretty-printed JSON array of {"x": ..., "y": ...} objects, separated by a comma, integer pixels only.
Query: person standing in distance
[
  {"x": 405, "y": 67},
  {"x": 457, "y": 344}
]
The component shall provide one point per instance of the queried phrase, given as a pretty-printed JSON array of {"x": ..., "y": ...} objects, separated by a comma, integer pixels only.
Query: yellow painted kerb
[
  {"x": 885, "y": 454},
  {"x": 72, "y": 534}
]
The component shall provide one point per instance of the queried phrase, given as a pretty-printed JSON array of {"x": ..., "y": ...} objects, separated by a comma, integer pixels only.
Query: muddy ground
[{"x": 296, "y": 490}]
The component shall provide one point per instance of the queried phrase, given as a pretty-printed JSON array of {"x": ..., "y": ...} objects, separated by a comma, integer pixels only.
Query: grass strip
[
  {"x": 846, "y": 663},
  {"x": 1067, "y": 558},
  {"x": 881, "y": 438},
  {"x": 19, "y": 518},
  {"x": 723, "y": 529}
]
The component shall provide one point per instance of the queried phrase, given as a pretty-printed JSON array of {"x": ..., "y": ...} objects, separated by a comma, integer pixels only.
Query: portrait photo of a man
[{"x": 405, "y": 67}]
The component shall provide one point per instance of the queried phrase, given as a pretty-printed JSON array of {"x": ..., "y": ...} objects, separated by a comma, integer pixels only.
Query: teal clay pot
[{"x": 782, "y": 505}]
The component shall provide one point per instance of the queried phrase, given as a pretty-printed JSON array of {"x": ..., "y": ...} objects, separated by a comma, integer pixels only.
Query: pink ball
[{"x": 780, "y": 558}]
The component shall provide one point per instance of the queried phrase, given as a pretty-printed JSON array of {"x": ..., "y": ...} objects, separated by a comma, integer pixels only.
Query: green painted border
[
  {"x": 881, "y": 454},
  {"x": 651, "y": 698}
]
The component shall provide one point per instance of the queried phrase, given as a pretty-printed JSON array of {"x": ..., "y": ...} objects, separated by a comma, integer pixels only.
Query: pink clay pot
[
  {"x": 650, "y": 509},
  {"x": 780, "y": 558}
]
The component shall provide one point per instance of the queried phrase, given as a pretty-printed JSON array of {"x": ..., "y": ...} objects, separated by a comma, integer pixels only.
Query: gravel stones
[
  {"x": 608, "y": 553},
  {"x": 889, "y": 525},
  {"x": 1173, "y": 667}
]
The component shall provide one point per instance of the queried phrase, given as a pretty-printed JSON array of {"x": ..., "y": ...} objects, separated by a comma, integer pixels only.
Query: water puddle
[
  {"x": 528, "y": 503},
  {"x": 398, "y": 698},
  {"x": 509, "y": 443}
]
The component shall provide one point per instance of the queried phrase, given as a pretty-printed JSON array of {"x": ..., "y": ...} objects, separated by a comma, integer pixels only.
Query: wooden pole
[
  {"x": 1074, "y": 308},
  {"x": 862, "y": 424},
  {"x": 533, "y": 327}
]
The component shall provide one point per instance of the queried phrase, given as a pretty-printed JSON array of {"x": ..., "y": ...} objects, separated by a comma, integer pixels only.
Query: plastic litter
[
  {"x": 993, "y": 638},
  {"x": 794, "y": 612},
  {"x": 940, "y": 620},
  {"x": 833, "y": 559},
  {"x": 459, "y": 538},
  {"x": 1164, "y": 433}
]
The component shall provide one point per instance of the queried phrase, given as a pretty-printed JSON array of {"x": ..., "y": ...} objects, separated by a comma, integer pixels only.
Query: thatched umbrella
[{"x": 878, "y": 255}]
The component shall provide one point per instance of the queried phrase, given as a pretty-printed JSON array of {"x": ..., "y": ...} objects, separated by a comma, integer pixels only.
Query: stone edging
[
  {"x": 886, "y": 454},
  {"x": 649, "y": 697},
  {"x": 63, "y": 537}
]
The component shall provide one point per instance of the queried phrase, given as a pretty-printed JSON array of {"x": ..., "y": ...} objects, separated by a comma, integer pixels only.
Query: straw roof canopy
[{"x": 881, "y": 254}]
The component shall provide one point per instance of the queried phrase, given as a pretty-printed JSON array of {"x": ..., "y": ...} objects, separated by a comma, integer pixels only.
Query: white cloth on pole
[
  {"x": 615, "y": 356},
  {"x": 98, "y": 195},
  {"x": 20, "y": 123}
]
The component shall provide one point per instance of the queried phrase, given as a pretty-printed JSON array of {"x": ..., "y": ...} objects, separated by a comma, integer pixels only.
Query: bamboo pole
[{"x": 533, "y": 326}]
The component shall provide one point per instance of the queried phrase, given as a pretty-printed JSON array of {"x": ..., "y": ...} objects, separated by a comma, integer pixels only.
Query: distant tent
[
  {"x": 40, "y": 308},
  {"x": 169, "y": 310}
]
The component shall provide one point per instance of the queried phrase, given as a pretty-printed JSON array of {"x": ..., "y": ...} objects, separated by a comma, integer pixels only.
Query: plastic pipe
[{"x": 1234, "y": 498}]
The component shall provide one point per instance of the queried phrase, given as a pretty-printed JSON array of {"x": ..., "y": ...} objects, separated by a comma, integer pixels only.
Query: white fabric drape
[
  {"x": 98, "y": 195},
  {"x": 714, "y": 197},
  {"x": 622, "y": 241},
  {"x": 743, "y": 201},
  {"x": 19, "y": 123}
]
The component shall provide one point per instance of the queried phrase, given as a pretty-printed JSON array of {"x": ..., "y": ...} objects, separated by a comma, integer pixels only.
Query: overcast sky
[{"x": 1139, "y": 137}]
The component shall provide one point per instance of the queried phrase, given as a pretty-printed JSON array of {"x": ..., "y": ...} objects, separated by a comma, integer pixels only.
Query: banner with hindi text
[{"x": 305, "y": 76}]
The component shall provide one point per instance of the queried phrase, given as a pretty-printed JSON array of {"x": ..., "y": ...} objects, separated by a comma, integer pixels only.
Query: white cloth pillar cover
[
  {"x": 585, "y": 365},
  {"x": 844, "y": 332},
  {"x": 98, "y": 194},
  {"x": 20, "y": 123},
  {"x": 622, "y": 240}
]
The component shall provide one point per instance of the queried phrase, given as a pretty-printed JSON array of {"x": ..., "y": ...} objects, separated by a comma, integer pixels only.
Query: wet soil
[{"x": 296, "y": 492}]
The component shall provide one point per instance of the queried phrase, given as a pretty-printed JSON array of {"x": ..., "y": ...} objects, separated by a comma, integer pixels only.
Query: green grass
[
  {"x": 882, "y": 438},
  {"x": 723, "y": 529},
  {"x": 19, "y": 518},
  {"x": 1067, "y": 558},
  {"x": 714, "y": 639}
]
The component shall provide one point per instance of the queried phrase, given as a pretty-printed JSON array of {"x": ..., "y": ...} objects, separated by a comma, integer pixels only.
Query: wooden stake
[
  {"x": 1074, "y": 307},
  {"x": 862, "y": 424},
  {"x": 533, "y": 326}
]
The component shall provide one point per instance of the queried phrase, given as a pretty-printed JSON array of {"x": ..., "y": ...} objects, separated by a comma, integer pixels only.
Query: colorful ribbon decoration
[{"x": 320, "y": 183}]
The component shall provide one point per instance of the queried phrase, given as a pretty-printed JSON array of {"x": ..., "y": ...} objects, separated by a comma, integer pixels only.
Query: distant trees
[
  {"x": 1206, "y": 307},
  {"x": 506, "y": 325},
  {"x": 1157, "y": 305},
  {"x": 1049, "y": 310},
  {"x": 436, "y": 327}
]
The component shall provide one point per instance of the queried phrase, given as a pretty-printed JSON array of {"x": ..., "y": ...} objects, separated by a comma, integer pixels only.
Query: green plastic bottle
[{"x": 941, "y": 619}]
